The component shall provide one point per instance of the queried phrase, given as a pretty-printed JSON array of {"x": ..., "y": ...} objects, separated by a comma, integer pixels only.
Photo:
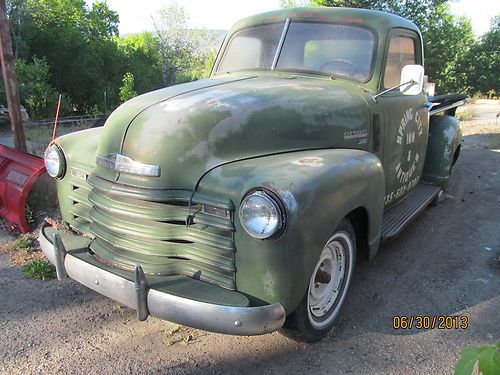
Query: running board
[{"x": 398, "y": 217}]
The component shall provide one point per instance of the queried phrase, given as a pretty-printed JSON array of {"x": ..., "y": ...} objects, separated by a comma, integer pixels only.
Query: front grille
[
  {"x": 149, "y": 227},
  {"x": 79, "y": 207}
]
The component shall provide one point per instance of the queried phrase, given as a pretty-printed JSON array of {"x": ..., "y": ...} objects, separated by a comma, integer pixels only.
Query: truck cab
[{"x": 239, "y": 203}]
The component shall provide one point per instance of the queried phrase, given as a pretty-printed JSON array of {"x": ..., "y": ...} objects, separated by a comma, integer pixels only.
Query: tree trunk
[{"x": 10, "y": 80}]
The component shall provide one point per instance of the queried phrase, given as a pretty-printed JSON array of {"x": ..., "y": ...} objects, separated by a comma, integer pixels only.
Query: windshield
[{"x": 331, "y": 49}]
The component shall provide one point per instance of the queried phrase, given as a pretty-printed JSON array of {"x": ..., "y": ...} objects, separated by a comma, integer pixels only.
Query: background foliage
[{"x": 67, "y": 47}]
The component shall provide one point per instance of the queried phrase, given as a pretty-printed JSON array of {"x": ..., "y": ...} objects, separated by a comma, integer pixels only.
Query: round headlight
[
  {"x": 54, "y": 161},
  {"x": 260, "y": 215}
]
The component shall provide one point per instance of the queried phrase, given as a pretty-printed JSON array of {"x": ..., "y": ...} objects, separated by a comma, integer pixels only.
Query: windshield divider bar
[{"x": 280, "y": 44}]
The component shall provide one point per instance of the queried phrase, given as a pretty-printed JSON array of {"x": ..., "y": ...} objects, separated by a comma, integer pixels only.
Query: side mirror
[{"x": 412, "y": 79}]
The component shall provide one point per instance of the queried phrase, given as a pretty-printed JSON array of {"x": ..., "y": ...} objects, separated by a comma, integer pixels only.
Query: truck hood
[{"x": 189, "y": 129}]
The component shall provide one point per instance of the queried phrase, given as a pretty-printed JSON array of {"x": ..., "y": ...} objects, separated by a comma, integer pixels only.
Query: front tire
[{"x": 328, "y": 287}]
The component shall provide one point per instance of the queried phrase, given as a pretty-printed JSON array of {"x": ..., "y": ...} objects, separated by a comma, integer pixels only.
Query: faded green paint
[
  {"x": 444, "y": 141},
  {"x": 80, "y": 150},
  {"x": 318, "y": 189},
  {"x": 296, "y": 135},
  {"x": 194, "y": 132}
]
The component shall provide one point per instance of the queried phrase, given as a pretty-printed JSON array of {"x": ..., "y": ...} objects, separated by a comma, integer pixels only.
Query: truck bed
[{"x": 446, "y": 104}]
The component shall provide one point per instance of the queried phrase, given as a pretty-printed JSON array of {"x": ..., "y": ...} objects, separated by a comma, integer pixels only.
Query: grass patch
[
  {"x": 24, "y": 242},
  {"x": 40, "y": 136},
  {"x": 39, "y": 269},
  {"x": 465, "y": 113},
  {"x": 22, "y": 250},
  {"x": 43, "y": 134}
]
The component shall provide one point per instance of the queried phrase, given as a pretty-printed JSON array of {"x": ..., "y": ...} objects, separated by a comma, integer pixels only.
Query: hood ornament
[{"x": 124, "y": 164}]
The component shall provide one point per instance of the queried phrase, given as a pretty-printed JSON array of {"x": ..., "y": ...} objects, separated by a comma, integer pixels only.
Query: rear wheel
[
  {"x": 441, "y": 195},
  {"x": 328, "y": 287}
]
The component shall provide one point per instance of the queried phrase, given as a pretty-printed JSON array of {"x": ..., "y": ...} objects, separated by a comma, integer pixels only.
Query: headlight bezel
[
  {"x": 276, "y": 202},
  {"x": 62, "y": 160}
]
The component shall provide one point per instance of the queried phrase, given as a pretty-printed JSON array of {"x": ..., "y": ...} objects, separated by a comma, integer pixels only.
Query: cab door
[{"x": 405, "y": 120}]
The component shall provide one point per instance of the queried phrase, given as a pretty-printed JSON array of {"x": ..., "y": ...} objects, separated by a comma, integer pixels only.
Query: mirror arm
[{"x": 409, "y": 83}]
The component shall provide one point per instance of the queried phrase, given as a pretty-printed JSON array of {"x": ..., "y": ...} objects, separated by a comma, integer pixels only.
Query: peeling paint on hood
[{"x": 190, "y": 129}]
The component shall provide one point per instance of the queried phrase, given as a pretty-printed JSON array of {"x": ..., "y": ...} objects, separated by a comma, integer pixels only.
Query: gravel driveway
[{"x": 443, "y": 264}]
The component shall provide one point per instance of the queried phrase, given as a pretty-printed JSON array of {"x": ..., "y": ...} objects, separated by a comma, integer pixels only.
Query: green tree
[
  {"x": 101, "y": 22},
  {"x": 480, "y": 67},
  {"x": 201, "y": 67},
  {"x": 369, "y": 4},
  {"x": 295, "y": 3},
  {"x": 182, "y": 50},
  {"x": 140, "y": 56},
  {"x": 77, "y": 43},
  {"x": 36, "y": 93},
  {"x": 127, "y": 90},
  {"x": 447, "y": 39}
]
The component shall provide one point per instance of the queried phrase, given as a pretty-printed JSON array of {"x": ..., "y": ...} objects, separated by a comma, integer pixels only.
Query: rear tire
[
  {"x": 442, "y": 196},
  {"x": 328, "y": 287}
]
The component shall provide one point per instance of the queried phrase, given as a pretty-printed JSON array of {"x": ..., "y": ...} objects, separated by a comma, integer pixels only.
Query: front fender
[
  {"x": 445, "y": 137},
  {"x": 318, "y": 188}
]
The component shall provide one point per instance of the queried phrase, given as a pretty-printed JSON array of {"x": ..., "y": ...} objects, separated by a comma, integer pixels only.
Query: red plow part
[{"x": 18, "y": 173}]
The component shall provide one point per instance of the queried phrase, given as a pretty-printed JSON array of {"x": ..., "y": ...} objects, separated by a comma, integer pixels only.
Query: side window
[{"x": 401, "y": 53}]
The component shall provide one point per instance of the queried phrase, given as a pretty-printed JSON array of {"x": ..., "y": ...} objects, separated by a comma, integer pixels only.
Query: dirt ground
[{"x": 443, "y": 264}]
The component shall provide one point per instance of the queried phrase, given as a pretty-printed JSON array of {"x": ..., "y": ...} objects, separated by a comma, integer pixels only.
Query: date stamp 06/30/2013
[{"x": 430, "y": 322}]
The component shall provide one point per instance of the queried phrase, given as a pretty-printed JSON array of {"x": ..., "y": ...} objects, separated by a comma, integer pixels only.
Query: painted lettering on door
[{"x": 408, "y": 139}]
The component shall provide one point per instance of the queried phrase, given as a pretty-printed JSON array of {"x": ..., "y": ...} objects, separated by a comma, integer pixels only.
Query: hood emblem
[{"x": 124, "y": 164}]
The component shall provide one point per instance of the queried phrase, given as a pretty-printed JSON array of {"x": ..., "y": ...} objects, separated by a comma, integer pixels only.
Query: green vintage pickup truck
[{"x": 239, "y": 203}]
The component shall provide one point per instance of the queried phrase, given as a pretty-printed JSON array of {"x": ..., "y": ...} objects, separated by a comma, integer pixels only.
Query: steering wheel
[{"x": 354, "y": 68}]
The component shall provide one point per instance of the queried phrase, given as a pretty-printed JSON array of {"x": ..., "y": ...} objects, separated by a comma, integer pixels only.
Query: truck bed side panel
[{"x": 445, "y": 137}]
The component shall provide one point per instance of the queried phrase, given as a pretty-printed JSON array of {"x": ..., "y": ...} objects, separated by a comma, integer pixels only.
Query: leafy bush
[
  {"x": 36, "y": 93},
  {"x": 39, "y": 269},
  {"x": 488, "y": 358},
  {"x": 127, "y": 90}
]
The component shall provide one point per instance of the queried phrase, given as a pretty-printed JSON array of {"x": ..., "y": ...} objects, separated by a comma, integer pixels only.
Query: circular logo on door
[{"x": 409, "y": 132}]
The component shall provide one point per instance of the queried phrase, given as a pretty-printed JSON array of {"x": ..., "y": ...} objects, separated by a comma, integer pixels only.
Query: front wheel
[{"x": 328, "y": 287}]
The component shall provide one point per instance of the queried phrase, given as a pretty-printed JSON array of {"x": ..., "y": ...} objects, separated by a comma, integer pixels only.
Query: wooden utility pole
[{"x": 10, "y": 80}]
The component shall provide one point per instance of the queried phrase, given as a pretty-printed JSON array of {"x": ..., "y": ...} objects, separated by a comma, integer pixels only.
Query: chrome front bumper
[{"x": 185, "y": 311}]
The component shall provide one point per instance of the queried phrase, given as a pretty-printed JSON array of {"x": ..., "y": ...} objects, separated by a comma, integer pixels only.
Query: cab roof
[{"x": 380, "y": 21}]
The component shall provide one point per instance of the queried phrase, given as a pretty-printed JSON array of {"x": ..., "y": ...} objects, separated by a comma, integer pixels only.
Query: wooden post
[{"x": 10, "y": 80}]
